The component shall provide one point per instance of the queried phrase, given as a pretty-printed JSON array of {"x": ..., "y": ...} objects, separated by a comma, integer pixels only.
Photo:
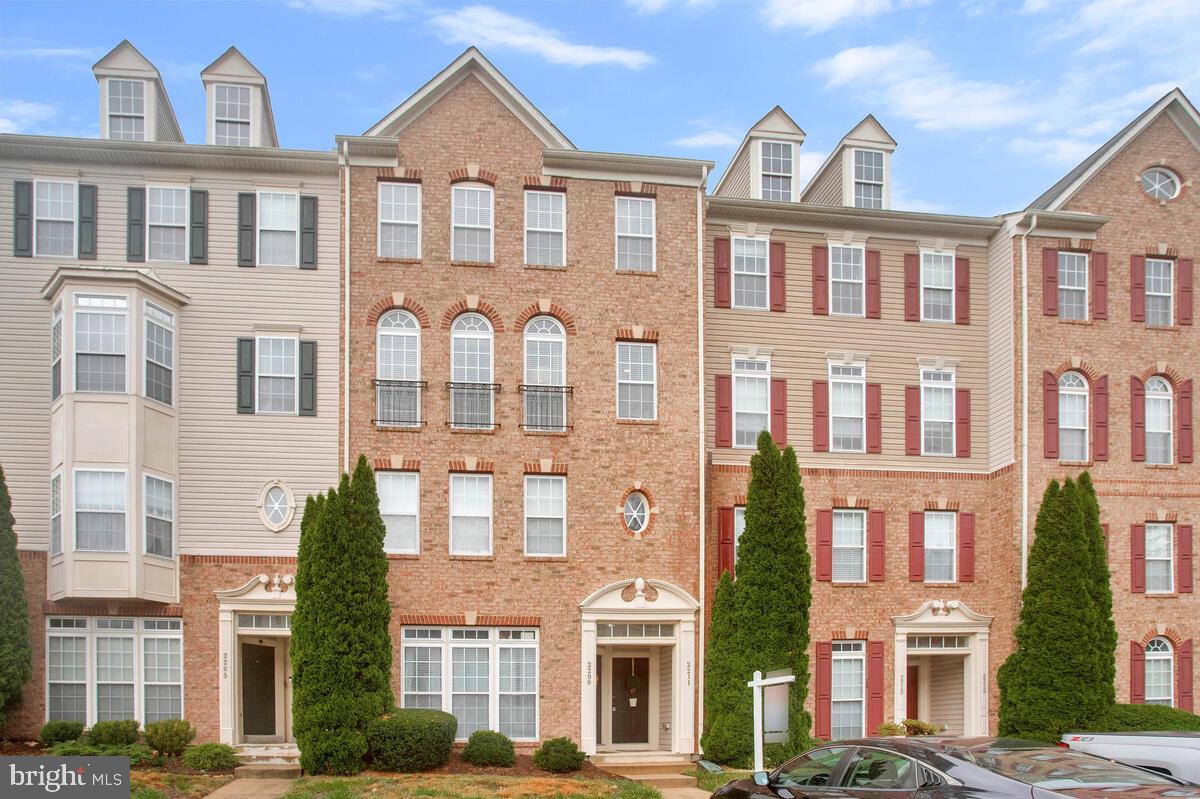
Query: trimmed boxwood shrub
[
  {"x": 210, "y": 757},
  {"x": 558, "y": 755},
  {"x": 113, "y": 733},
  {"x": 1148, "y": 718},
  {"x": 489, "y": 748},
  {"x": 56, "y": 732},
  {"x": 411, "y": 739},
  {"x": 137, "y": 753},
  {"x": 890, "y": 729},
  {"x": 169, "y": 736},
  {"x": 918, "y": 727}
]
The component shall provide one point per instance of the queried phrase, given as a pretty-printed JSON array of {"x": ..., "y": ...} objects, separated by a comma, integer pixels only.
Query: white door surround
[{"x": 657, "y": 655}]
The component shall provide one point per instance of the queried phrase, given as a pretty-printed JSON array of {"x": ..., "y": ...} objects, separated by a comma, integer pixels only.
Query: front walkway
[{"x": 243, "y": 788}]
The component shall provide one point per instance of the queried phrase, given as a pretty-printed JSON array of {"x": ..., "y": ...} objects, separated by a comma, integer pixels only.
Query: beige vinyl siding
[
  {"x": 737, "y": 182},
  {"x": 1002, "y": 356},
  {"x": 225, "y": 459},
  {"x": 826, "y": 188},
  {"x": 798, "y": 340},
  {"x": 665, "y": 669},
  {"x": 163, "y": 130},
  {"x": 946, "y": 692}
]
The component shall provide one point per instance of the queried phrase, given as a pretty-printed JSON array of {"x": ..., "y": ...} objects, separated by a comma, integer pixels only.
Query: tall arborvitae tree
[
  {"x": 726, "y": 737},
  {"x": 341, "y": 648},
  {"x": 16, "y": 656},
  {"x": 1102, "y": 597}
]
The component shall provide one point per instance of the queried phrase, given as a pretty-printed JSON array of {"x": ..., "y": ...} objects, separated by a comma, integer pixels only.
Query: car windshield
[{"x": 1058, "y": 768}]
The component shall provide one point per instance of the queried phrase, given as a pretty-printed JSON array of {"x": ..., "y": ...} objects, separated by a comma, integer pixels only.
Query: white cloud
[
  {"x": 1111, "y": 24},
  {"x": 655, "y": 6},
  {"x": 707, "y": 138},
  {"x": 484, "y": 26},
  {"x": 1065, "y": 151},
  {"x": 815, "y": 16},
  {"x": 56, "y": 53},
  {"x": 371, "y": 74},
  {"x": 352, "y": 8},
  {"x": 910, "y": 82},
  {"x": 18, "y": 116}
]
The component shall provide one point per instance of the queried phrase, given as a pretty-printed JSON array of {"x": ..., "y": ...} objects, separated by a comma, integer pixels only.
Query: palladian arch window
[
  {"x": 1072, "y": 417},
  {"x": 545, "y": 388},
  {"x": 1159, "y": 430},
  {"x": 398, "y": 370},
  {"x": 1160, "y": 673},
  {"x": 471, "y": 388}
]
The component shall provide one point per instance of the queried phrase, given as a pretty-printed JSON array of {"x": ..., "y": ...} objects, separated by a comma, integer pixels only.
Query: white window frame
[
  {"x": 860, "y": 380},
  {"x": 490, "y": 227},
  {"x": 924, "y": 254},
  {"x": 529, "y": 229},
  {"x": 258, "y": 340},
  {"x": 248, "y": 122},
  {"x": 56, "y": 350},
  {"x": 380, "y": 221},
  {"x": 953, "y": 548},
  {"x": 1178, "y": 184},
  {"x": 98, "y": 304},
  {"x": 56, "y": 511},
  {"x": 454, "y": 476},
  {"x": 88, "y": 672},
  {"x": 862, "y": 284},
  {"x": 1168, "y": 397},
  {"x": 146, "y": 633},
  {"x": 1157, "y": 656},
  {"x": 557, "y": 478},
  {"x": 860, "y": 514},
  {"x": 1170, "y": 264},
  {"x": 1168, "y": 529},
  {"x": 734, "y": 273},
  {"x": 1074, "y": 391},
  {"x": 843, "y": 650},
  {"x": 386, "y": 510},
  {"x": 164, "y": 319},
  {"x": 654, "y": 383},
  {"x": 187, "y": 217},
  {"x": 764, "y": 173},
  {"x": 75, "y": 509},
  {"x": 485, "y": 333},
  {"x": 741, "y": 374},
  {"x": 146, "y": 515},
  {"x": 530, "y": 335},
  {"x": 739, "y": 527},
  {"x": 1064, "y": 256},
  {"x": 259, "y": 228},
  {"x": 74, "y": 220},
  {"x": 110, "y": 113},
  {"x": 389, "y": 334},
  {"x": 937, "y": 385},
  {"x": 617, "y": 235},
  {"x": 859, "y": 181}
]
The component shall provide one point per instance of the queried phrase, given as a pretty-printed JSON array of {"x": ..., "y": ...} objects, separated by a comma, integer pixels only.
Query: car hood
[{"x": 1129, "y": 792}]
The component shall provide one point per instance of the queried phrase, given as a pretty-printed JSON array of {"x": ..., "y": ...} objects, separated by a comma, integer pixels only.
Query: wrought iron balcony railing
[
  {"x": 473, "y": 405},
  {"x": 398, "y": 403},
  {"x": 545, "y": 408}
]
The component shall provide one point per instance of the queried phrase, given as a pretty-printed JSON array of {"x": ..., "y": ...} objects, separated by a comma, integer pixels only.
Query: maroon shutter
[
  {"x": 725, "y": 541},
  {"x": 820, "y": 280},
  {"x": 724, "y": 411},
  {"x": 779, "y": 411},
  {"x": 1049, "y": 415},
  {"x": 966, "y": 547},
  {"x": 721, "y": 274},
  {"x": 1050, "y": 281},
  {"x": 916, "y": 546},
  {"x": 1137, "y": 558},
  {"x": 1186, "y": 690},
  {"x": 912, "y": 287},
  {"x": 778, "y": 291},
  {"x": 1137, "y": 419},
  {"x": 1186, "y": 428},
  {"x": 874, "y": 417},
  {"x": 1186, "y": 276},
  {"x": 874, "y": 268},
  {"x": 820, "y": 416},
  {"x": 824, "y": 545},
  {"x": 874, "y": 686},
  {"x": 823, "y": 700},
  {"x": 1099, "y": 285},
  {"x": 962, "y": 418},
  {"x": 1100, "y": 419},
  {"x": 1184, "y": 532},
  {"x": 912, "y": 420},
  {"x": 962, "y": 291},
  {"x": 876, "y": 543},
  {"x": 1137, "y": 674},
  {"x": 1137, "y": 288}
]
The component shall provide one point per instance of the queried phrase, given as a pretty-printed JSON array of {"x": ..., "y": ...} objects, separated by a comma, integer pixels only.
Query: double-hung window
[
  {"x": 848, "y": 690},
  {"x": 166, "y": 223},
  {"x": 66, "y": 670},
  {"x": 100, "y": 343},
  {"x": 116, "y": 669},
  {"x": 399, "y": 505},
  {"x": 751, "y": 400},
  {"x": 847, "y": 407},
  {"x": 1072, "y": 285},
  {"x": 231, "y": 115},
  {"x": 399, "y": 220},
  {"x": 160, "y": 353},
  {"x": 777, "y": 171},
  {"x": 100, "y": 510},
  {"x": 937, "y": 287},
  {"x": 56, "y": 334},
  {"x": 126, "y": 109},
  {"x": 470, "y": 514},
  {"x": 937, "y": 412},
  {"x": 54, "y": 218},
  {"x": 160, "y": 517},
  {"x": 471, "y": 390},
  {"x": 545, "y": 228},
  {"x": 1160, "y": 562},
  {"x": 1160, "y": 293},
  {"x": 1160, "y": 673},
  {"x": 398, "y": 370},
  {"x": 545, "y": 515},
  {"x": 56, "y": 542},
  {"x": 278, "y": 228},
  {"x": 1072, "y": 417},
  {"x": 750, "y": 273},
  {"x": 849, "y": 546},
  {"x": 277, "y": 368},
  {"x": 1159, "y": 418},
  {"x": 846, "y": 281},
  {"x": 868, "y": 179},
  {"x": 471, "y": 223},
  {"x": 940, "y": 549},
  {"x": 637, "y": 380},
  {"x": 635, "y": 234},
  {"x": 162, "y": 669}
]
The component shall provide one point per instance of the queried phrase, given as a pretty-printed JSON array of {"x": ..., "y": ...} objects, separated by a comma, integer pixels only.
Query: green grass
[
  {"x": 707, "y": 781},
  {"x": 153, "y": 784},
  {"x": 445, "y": 786}
]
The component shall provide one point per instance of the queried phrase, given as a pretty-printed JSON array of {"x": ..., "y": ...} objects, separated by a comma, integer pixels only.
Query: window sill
[
  {"x": 552, "y": 433},
  {"x": 1078, "y": 322},
  {"x": 546, "y": 267},
  {"x": 862, "y": 584},
  {"x": 1085, "y": 464},
  {"x": 473, "y": 431},
  {"x": 638, "y": 422},
  {"x": 1165, "y": 328},
  {"x": 1163, "y": 595},
  {"x": 402, "y": 555},
  {"x": 1168, "y": 467},
  {"x": 942, "y": 583},
  {"x": 381, "y": 261},
  {"x": 480, "y": 264},
  {"x": 544, "y": 558},
  {"x": 636, "y": 272},
  {"x": 396, "y": 428},
  {"x": 733, "y": 307},
  {"x": 481, "y": 558}
]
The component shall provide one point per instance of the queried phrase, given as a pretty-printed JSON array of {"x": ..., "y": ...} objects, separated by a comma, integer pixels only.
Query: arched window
[
  {"x": 471, "y": 387},
  {"x": 398, "y": 370},
  {"x": 545, "y": 375},
  {"x": 1160, "y": 673},
  {"x": 1159, "y": 429},
  {"x": 1072, "y": 417}
]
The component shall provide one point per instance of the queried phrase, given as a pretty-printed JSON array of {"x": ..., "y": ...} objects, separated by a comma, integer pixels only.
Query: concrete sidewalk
[
  {"x": 254, "y": 789},
  {"x": 684, "y": 793}
]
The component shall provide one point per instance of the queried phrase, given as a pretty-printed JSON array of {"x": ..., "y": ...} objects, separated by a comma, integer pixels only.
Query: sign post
[{"x": 757, "y": 684}]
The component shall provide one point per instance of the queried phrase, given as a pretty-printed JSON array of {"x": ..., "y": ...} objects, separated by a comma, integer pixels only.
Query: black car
[{"x": 952, "y": 768}]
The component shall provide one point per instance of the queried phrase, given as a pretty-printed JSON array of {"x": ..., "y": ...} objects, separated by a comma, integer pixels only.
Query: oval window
[
  {"x": 637, "y": 512},
  {"x": 1160, "y": 184}
]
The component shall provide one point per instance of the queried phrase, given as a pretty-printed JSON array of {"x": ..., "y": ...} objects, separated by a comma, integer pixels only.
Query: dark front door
[
  {"x": 631, "y": 700},
  {"x": 258, "y": 690}
]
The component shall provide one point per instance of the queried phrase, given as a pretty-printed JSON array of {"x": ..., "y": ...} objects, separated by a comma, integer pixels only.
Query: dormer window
[
  {"x": 777, "y": 171},
  {"x": 127, "y": 110},
  {"x": 232, "y": 115},
  {"x": 868, "y": 179}
]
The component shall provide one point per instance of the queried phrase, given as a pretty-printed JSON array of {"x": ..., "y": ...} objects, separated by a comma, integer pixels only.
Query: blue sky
[{"x": 991, "y": 101}]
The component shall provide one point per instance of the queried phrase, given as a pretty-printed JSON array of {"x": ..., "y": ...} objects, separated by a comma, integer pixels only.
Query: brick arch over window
[
  {"x": 1089, "y": 372},
  {"x": 473, "y": 305},
  {"x": 1169, "y": 633},
  {"x": 473, "y": 174},
  {"x": 545, "y": 309},
  {"x": 1169, "y": 372},
  {"x": 394, "y": 302}
]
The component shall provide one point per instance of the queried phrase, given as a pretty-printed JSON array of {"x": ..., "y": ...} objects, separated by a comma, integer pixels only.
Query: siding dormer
[
  {"x": 133, "y": 103},
  {"x": 237, "y": 103},
  {"x": 858, "y": 173},
  {"x": 765, "y": 166}
]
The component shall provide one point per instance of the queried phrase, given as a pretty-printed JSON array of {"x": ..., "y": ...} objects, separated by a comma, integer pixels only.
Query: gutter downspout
[
  {"x": 1025, "y": 402},
  {"x": 346, "y": 315},
  {"x": 703, "y": 516}
]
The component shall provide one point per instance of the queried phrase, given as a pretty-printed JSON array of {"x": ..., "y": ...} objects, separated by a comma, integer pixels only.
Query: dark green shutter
[
  {"x": 198, "y": 227},
  {"x": 308, "y": 232},
  {"x": 308, "y": 378},
  {"x": 245, "y": 375},
  {"x": 245, "y": 244},
  {"x": 135, "y": 226},
  {"x": 87, "y": 223},
  {"x": 23, "y": 218}
]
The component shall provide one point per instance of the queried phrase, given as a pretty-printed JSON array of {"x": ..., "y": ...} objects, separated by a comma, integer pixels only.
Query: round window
[
  {"x": 276, "y": 506},
  {"x": 1160, "y": 184},
  {"x": 637, "y": 512}
]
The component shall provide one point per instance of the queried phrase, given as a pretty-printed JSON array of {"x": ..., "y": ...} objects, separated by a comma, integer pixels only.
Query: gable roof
[
  {"x": 1174, "y": 104},
  {"x": 233, "y": 67},
  {"x": 126, "y": 61},
  {"x": 867, "y": 133},
  {"x": 776, "y": 123},
  {"x": 472, "y": 62}
]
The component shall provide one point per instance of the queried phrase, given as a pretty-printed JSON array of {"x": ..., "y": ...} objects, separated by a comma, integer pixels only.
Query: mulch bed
[
  {"x": 522, "y": 768},
  {"x": 9, "y": 748}
]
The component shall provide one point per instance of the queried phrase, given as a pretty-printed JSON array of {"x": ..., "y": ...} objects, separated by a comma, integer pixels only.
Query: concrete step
[
  {"x": 268, "y": 771},
  {"x": 632, "y": 770},
  {"x": 639, "y": 757},
  {"x": 665, "y": 780}
]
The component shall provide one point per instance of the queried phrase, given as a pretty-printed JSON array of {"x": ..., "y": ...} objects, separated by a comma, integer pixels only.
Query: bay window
[
  {"x": 100, "y": 510},
  {"x": 100, "y": 343},
  {"x": 160, "y": 354},
  {"x": 160, "y": 517}
]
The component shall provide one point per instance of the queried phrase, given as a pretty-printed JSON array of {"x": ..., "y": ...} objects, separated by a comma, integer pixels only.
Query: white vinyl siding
[
  {"x": 849, "y": 546},
  {"x": 848, "y": 690},
  {"x": 847, "y": 408},
  {"x": 751, "y": 400},
  {"x": 750, "y": 273},
  {"x": 868, "y": 179},
  {"x": 470, "y": 514},
  {"x": 940, "y": 546},
  {"x": 847, "y": 281},
  {"x": 399, "y": 505},
  {"x": 471, "y": 224},
  {"x": 278, "y": 365},
  {"x": 126, "y": 110},
  {"x": 1160, "y": 560},
  {"x": 100, "y": 498},
  {"x": 1072, "y": 418},
  {"x": 160, "y": 517},
  {"x": 231, "y": 117},
  {"x": 545, "y": 515},
  {"x": 278, "y": 229},
  {"x": 635, "y": 234},
  {"x": 1160, "y": 292},
  {"x": 937, "y": 412},
  {"x": 1160, "y": 448},
  {"x": 54, "y": 218},
  {"x": 637, "y": 381},
  {"x": 777, "y": 171},
  {"x": 1072, "y": 285},
  {"x": 545, "y": 228},
  {"x": 937, "y": 287},
  {"x": 399, "y": 231}
]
